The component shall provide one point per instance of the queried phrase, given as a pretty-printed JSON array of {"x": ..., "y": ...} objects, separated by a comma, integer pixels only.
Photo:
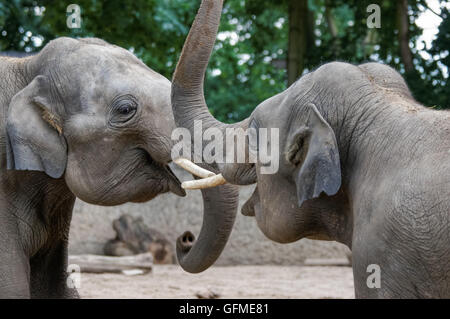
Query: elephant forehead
[
  {"x": 339, "y": 75},
  {"x": 273, "y": 110},
  {"x": 95, "y": 62},
  {"x": 277, "y": 110},
  {"x": 97, "y": 93}
]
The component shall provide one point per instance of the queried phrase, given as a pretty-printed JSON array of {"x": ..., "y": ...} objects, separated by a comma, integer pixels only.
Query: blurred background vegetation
[{"x": 262, "y": 45}]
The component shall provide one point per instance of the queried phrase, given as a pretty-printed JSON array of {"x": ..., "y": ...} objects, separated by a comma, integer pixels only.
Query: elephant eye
[{"x": 123, "y": 109}]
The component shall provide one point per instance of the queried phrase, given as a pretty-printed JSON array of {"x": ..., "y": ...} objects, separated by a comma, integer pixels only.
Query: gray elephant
[
  {"x": 360, "y": 162},
  {"x": 85, "y": 119}
]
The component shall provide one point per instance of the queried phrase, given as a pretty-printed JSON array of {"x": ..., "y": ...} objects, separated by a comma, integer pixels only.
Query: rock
[
  {"x": 133, "y": 237},
  {"x": 207, "y": 294}
]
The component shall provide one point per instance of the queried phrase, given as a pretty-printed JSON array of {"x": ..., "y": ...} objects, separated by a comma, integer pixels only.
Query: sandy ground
[{"x": 170, "y": 281}]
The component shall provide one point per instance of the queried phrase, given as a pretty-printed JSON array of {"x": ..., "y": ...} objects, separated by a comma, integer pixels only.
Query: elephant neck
[
  {"x": 12, "y": 80},
  {"x": 14, "y": 74},
  {"x": 43, "y": 204},
  {"x": 331, "y": 218}
]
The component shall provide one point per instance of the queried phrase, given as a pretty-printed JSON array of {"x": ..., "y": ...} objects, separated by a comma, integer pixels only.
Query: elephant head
[
  {"x": 308, "y": 156},
  {"x": 94, "y": 115}
]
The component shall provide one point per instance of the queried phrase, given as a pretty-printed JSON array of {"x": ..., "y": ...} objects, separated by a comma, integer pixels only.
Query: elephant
[
  {"x": 88, "y": 119},
  {"x": 360, "y": 162}
]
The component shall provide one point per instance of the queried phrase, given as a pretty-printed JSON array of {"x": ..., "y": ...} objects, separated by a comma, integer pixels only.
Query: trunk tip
[{"x": 185, "y": 242}]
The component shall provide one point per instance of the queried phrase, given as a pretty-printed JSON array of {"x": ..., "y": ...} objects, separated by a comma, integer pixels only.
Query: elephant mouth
[
  {"x": 175, "y": 184},
  {"x": 164, "y": 173},
  {"x": 249, "y": 207}
]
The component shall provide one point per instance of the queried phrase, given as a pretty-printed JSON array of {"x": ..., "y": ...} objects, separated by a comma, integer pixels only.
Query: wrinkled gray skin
[
  {"x": 85, "y": 119},
  {"x": 361, "y": 163}
]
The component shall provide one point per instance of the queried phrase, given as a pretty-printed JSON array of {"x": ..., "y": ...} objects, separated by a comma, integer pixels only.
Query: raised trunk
[
  {"x": 188, "y": 101},
  {"x": 189, "y": 106}
]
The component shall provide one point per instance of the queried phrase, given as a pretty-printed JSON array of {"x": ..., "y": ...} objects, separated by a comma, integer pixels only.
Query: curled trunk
[
  {"x": 188, "y": 104},
  {"x": 219, "y": 212}
]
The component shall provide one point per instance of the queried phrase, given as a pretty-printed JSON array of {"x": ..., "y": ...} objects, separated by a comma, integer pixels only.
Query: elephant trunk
[
  {"x": 188, "y": 101},
  {"x": 220, "y": 206},
  {"x": 189, "y": 106}
]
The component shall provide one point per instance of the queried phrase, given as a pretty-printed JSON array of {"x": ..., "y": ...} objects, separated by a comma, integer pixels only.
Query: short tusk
[
  {"x": 193, "y": 168},
  {"x": 208, "y": 182}
]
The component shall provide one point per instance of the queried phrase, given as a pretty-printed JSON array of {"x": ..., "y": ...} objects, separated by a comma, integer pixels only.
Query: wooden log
[
  {"x": 342, "y": 262},
  {"x": 107, "y": 264},
  {"x": 135, "y": 237}
]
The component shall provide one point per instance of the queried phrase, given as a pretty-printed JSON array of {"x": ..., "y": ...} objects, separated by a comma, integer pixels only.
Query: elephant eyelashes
[{"x": 123, "y": 109}]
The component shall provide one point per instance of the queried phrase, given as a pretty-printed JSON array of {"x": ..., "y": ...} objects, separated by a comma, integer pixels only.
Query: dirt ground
[{"x": 170, "y": 281}]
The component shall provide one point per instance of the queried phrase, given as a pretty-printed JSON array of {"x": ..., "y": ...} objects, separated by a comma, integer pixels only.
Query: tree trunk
[
  {"x": 403, "y": 35},
  {"x": 298, "y": 33},
  {"x": 332, "y": 27},
  {"x": 330, "y": 20}
]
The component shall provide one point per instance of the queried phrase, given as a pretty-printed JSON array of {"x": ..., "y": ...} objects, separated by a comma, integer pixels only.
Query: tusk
[
  {"x": 193, "y": 168},
  {"x": 208, "y": 182},
  {"x": 209, "y": 179}
]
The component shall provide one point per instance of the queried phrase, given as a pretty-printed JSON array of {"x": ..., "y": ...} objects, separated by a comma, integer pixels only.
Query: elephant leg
[
  {"x": 14, "y": 276},
  {"x": 382, "y": 272},
  {"x": 368, "y": 273},
  {"x": 49, "y": 276},
  {"x": 394, "y": 282},
  {"x": 14, "y": 268}
]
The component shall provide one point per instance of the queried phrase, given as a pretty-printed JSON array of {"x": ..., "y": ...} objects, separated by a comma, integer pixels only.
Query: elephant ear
[
  {"x": 34, "y": 138},
  {"x": 312, "y": 148}
]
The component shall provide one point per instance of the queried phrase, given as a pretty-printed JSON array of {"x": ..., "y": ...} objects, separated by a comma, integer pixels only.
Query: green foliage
[
  {"x": 247, "y": 75},
  {"x": 249, "y": 61}
]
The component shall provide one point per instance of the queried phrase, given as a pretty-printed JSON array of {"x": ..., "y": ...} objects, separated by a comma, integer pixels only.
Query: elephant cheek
[
  {"x": 80, "y": 182},
  {"x": 277, "y": 224},
  {"x": 76, "y": 184}
]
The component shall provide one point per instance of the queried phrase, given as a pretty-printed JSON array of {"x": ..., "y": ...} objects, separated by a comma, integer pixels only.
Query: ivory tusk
[
  {"x": 193, "y": 168},
  {"x": 207, "y": 182}
]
